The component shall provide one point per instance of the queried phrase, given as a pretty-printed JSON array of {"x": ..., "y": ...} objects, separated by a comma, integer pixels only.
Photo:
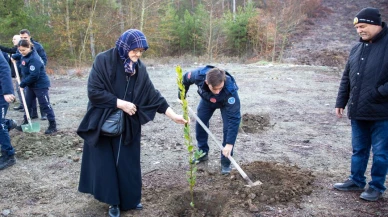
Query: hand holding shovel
[
  {"x": 242, "y": 173},
  {"x": 30, "y": 127}
]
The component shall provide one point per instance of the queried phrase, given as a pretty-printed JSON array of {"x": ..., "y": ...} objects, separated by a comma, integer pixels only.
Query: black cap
[{"x": 368, "y": 15}]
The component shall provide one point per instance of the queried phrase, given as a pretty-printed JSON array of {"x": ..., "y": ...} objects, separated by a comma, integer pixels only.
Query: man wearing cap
[{"x": 364, "y": 89}]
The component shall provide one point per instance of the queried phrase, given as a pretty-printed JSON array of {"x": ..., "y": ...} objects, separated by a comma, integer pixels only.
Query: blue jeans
[
  {"x": 367, "y": 135},
  {"x": 205, "y": 111},
  {"x": 5, "y": 140}
]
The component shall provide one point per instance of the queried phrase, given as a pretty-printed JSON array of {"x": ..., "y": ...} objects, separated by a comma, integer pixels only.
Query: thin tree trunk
[
  {"x": 92, "y": 45},
  {"x": 143, "y": 9},
  {"x": 87, "y": 30},
  {"x": 209, "y": 46},
  {"x": 234, "y": 9},
  {"x": 121, "y": 14},
  {"x": 69, "y": 41},
  {"x": 142, "y": 14},
  {"x": 274, "y": 40}
]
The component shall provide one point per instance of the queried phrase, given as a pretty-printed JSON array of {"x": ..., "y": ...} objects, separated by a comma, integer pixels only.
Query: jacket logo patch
[
  {"x": 213, "y": 100},
  {"x": 32, "y": 68},
  {"x": 231, "y": 100},
  {"x": 189, "y": 75},
  {"x": 23, "y": 63}
]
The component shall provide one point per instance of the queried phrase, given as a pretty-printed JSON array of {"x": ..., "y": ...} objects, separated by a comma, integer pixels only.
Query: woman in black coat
[{"x": 110, "y": 167}]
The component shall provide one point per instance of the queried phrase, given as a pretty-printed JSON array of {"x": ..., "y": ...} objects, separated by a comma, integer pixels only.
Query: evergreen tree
[
  {"x": 236, "y": 29},
  {"x": 13, "y": 19}
]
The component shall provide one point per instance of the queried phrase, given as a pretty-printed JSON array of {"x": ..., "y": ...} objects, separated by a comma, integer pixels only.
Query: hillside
[{"x": 326, "y": 39}]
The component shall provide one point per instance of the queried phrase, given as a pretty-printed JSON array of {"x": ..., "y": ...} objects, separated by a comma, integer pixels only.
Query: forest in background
[{"x": 73, "y": 32}]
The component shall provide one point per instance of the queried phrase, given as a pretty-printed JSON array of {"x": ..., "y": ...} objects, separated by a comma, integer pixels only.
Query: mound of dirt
[
  {"x": 217, "y": 195},
  {"x": 254, "y": 123}
]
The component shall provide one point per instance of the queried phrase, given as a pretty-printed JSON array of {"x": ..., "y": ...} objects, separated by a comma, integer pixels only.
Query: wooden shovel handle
[{"x": 22, "y": 93}]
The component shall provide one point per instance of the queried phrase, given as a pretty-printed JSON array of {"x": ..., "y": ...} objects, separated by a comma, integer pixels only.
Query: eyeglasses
[{"x": 138, "y": 51}]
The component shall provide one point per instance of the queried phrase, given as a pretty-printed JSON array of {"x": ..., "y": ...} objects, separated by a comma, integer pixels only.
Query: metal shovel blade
[{"x": 31, "y": 128}]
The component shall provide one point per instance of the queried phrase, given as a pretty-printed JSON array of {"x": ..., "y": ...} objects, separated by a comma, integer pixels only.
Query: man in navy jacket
[
  {"x": 6, "y": 96},
  {"x": 218, "y": 90},
  {"x": 364, "y": 89}
]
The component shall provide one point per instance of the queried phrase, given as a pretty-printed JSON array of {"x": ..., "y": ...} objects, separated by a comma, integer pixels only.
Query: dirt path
[{"x": 292, "y": 142}]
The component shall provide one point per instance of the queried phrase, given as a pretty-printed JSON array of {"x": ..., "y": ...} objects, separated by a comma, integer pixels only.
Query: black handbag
[{"x": 114, "y": 123}]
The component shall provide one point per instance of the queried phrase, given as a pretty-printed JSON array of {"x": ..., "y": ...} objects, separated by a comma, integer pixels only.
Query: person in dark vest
[
  {"x": 38, "y": 83},
  {"x": 364, "y": 90},
  {"x": 11, "y": 51},
  {"x": 7, "y": 158},
  {"x": 218, "y": 90},
  {"x": 110, "y": 168}
]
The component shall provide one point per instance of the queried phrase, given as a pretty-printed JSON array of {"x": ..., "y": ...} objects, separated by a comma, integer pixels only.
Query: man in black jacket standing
[{"x": 364, "y": 89}]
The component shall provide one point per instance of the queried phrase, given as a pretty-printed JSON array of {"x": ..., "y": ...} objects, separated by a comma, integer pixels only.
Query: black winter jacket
[{"x": 364, "y": 83}]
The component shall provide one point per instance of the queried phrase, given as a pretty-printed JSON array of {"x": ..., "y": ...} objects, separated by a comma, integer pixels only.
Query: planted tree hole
[
  {"x": 220, "y": 195},
  {"x": 255, "y": 123}
]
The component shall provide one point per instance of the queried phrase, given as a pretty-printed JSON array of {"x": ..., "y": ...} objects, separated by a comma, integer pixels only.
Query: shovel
[
  {"x": 242, "y": 173},
  {"x": 30, "y": 127}
]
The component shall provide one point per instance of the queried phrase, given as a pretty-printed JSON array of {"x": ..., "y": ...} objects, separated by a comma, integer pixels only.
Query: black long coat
[{"x": 111, "y": 184}]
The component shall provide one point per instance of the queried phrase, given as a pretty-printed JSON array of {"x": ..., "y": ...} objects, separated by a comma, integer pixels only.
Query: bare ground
[{"x": 290, "y": 140}]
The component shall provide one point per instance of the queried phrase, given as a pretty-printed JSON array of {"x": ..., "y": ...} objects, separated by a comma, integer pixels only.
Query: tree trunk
[
  {"x": 274, "y": 40},
  {"x": 121, "y": 14},
  {"x": 87, "y": 31},
  {"x": 69, "y": 41},
  {"x": 142, "y": 14},
  {"x": 209, "y": 45},
  {"x": 234, "y": 9},
  {"x": 92, "y": 45}
]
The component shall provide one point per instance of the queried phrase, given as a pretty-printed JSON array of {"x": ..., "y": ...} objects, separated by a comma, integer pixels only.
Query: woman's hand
[
  {"x": 126, "y": 106},
  {"x": 175, "y": 117}
]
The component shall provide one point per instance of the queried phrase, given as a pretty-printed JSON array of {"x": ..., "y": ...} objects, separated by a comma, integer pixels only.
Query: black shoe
[
  {"x": 348, "y": 185},
  {"x": 7, "y": 161},
  {"x": 114, "y": 211},
  {"x": 139, "y": 206},
  {"x": 11, "y": 124},
  {"x": 34, "y": 117},
  {"x": 201, "y": 159},
  {"x": 18, "y": 107},
  {"x": 225, "y": 170},
  {"x": 52, "y": 128},
  {"x": 19, "y": 128},
  {"x": 371, "y": 194}
]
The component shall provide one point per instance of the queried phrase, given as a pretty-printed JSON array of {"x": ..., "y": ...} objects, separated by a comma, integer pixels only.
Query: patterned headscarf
[{"x": 130, "y": 40}]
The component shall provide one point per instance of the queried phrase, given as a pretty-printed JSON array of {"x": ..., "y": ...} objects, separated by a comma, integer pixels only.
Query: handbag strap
[
  {"x": 126, "y": 88},
  {"x": 121, "y": 136}
]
